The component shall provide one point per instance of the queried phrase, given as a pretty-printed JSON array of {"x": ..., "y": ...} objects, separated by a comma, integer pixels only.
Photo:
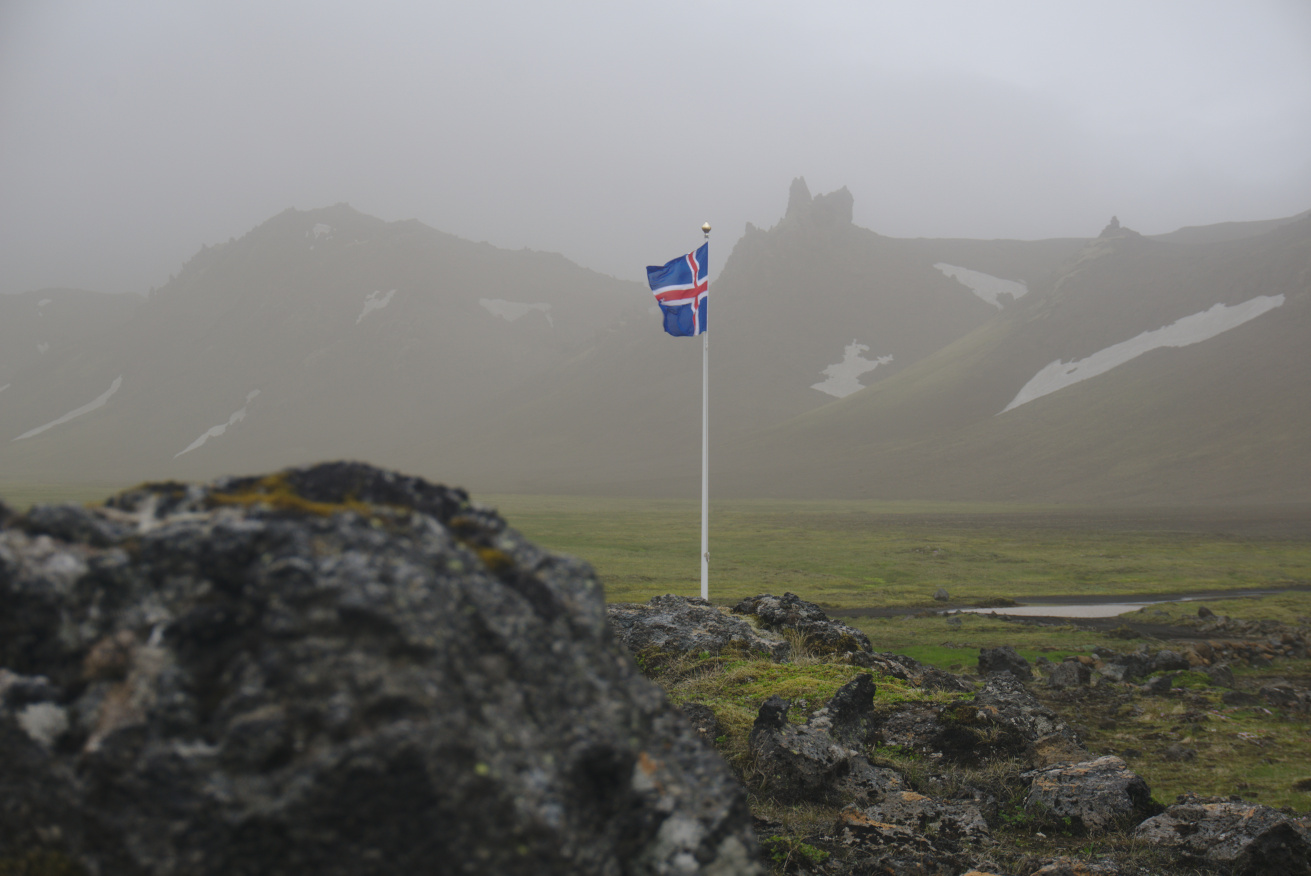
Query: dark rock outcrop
[
  {"x": 904, "y": 668},
  {"x": 1221, "y": 674},
  {"x": 822, "y": 635},
  {"x": 879, "y": 847},
  {"x": 1282, "y": 694},
  {"x": 1118, "y": 666},
  {"x": 805, "y": 763},
  {"x": 1166, "y": 660},
  {"x": 1246, "y": 839},
  {"x": 1095, "y": 796},
  {"x": 954, "y": 822},
  {"x": 1004, "y": 659},
  {"x": 833, "y": 210},
  {"x": 333, "y": 670},
  {"x": 668, "y": 626},
  {"x": 1005, "y": 703},
  {"x": 849, "y": 716},
  {"x": 1069, "y": 673},
  {"x": 1002, "y": 722}
]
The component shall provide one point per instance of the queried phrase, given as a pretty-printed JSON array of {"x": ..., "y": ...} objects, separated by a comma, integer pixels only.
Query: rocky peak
[
  {"x": 1115, "y": 229},
  {"x": 832, "y": 210}
]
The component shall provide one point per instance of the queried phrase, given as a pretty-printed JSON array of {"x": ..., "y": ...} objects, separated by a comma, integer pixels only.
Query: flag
[{"x": 681, "y": 288}]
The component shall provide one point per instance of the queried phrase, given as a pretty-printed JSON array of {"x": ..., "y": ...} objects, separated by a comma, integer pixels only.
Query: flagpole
[{"x": 705, "y": 445}]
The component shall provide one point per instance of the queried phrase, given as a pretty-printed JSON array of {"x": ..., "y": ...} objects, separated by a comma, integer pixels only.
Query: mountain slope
[
  {"x": 843, "y": 364},
  {"x": 319, "y": 334},
  {"x": 788, "y": 304},
  {"x": 1221, "y": 419}
]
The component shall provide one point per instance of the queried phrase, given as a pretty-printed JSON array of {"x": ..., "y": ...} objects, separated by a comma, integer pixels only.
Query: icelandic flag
[{"x": 681, "y": 288}]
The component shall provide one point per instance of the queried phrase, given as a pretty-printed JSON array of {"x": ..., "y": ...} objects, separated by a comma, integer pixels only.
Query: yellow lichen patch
[
  {"x": 274, "y": 490},
  {"x": 495, "y": 560}
]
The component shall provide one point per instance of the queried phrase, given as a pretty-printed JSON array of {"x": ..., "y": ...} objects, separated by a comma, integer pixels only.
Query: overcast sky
[{"x": 131, "y": 133}]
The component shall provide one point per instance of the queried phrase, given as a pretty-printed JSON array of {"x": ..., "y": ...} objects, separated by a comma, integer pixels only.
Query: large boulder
[
  {"x": 333, "y": 670},
  {"x": 1091, "y": 797},
  {"x": 1242, "y": 838},
  {"x": 821, "y": 635},
  {"x": 670, "y": 626}
]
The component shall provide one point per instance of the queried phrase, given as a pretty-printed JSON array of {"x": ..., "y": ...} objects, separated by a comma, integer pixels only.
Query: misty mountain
[
  {"x": 843, "y": 363},
  {"x": 54, "y": 322},
  {"x": 802, "y": 313},
  {"x": 323, "y": 333},
  {"x": 1143, "y": 371}
]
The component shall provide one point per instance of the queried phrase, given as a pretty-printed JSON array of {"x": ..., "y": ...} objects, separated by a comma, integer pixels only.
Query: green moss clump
[{"x": 783, "y": 850}]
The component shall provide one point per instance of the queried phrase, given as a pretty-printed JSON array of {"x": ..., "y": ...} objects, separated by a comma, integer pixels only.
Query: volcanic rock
[
  {"x": 849, "y": 716},
  {"x": 822, "y": 635},
  {"x": 1246, "y": 839},
  {"x": 1003, "y": 720},
  {"x": 1095, "y": 795},
  {"x": 674, "y": 625},
  {"x": 1069, "y": 673},
  {"x": 804, "y": 763},
  {"x": 904, "y": 668},
  {"x": 1166, "y": 660},
  {"x": 951, "y": 821},
  {"x": 333, "y": 670},
  {"x": 1003, "y": 659},
  {"x": 880, "y": 847},
  {"x": 1221, "y": 674}
]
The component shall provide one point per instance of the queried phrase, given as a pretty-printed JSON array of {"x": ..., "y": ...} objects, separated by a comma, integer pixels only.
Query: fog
[{"x": 131, "y": 133}]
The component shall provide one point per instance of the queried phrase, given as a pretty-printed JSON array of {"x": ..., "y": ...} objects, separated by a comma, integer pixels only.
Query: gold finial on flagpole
[{"x": 705, "y": 227}]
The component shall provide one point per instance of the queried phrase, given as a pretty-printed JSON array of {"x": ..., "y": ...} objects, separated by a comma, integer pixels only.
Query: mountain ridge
[{"x": 843, "y": 363}]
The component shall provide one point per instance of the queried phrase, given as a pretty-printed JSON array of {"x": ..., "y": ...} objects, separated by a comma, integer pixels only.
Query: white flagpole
[{"x": 705, "y": 445}]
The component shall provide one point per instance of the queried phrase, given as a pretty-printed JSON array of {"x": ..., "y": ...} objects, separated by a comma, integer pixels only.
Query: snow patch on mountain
[
  {"x": 375, "y": 300},
  {"x": 44, "y": 301},
  {"x": 41, "y": 347},
  {"x": 512, "y": 310},
  {"x": 1180, "y": 333},
  {"x": 98, "y": 402},
  {"x": 321, "y": 230},
  {"x": 986, "y": 286},
  {"x": 214, "y": 431},
  {"x": 842, "y": 380}
]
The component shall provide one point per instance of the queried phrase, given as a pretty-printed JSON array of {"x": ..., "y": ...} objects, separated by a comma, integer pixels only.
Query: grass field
[{"x": 861, "y": 554}]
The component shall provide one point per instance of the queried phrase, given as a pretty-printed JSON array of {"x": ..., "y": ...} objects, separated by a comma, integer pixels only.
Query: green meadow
[{"x": 867, "y": 554}]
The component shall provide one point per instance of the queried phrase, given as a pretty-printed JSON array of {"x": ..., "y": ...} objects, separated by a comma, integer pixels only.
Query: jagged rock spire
[{"x": 832, "y": 209}]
